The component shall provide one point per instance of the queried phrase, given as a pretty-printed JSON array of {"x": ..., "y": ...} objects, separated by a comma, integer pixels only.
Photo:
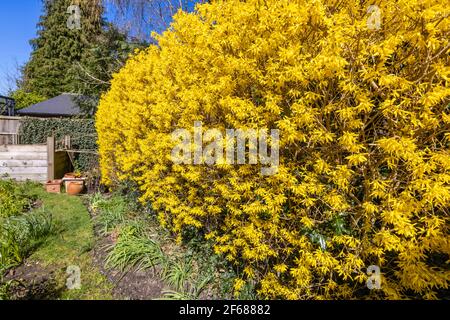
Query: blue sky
[{"x": 18, "y": 19}]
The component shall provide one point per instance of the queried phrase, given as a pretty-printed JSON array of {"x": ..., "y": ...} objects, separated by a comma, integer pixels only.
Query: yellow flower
[{"x": 364, "y": 153}]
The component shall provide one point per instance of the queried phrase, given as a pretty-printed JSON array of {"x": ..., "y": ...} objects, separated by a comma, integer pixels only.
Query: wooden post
[
  {"x": 68, "y": 147},
  {"x": 51, "y": 158},
  {"x": 67, "y": 142}
]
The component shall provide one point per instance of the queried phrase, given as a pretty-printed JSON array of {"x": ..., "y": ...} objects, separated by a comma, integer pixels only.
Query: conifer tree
[{"x": 58, "y": 48}]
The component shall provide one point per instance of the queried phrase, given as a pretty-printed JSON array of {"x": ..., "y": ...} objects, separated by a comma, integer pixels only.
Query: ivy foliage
[{"x": 81, "y": 131}]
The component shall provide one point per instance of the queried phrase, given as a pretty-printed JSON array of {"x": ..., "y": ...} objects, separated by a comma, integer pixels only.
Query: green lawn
[{"x": 71, "y": 246}]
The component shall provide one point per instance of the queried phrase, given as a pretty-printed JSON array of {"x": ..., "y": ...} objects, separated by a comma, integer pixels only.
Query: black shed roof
[{"x": 64, "y": 105}]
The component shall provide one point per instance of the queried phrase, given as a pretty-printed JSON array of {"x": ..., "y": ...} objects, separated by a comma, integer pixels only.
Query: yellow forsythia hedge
[{"x": 363, "y": 110}]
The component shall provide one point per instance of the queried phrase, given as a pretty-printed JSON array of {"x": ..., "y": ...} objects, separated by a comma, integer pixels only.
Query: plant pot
[
  {"x": 75, "y": 188},
  {"x": 67, "y": 180},
  {"x": 53, "y": 186},
  {"x": 70, "y": 175}
]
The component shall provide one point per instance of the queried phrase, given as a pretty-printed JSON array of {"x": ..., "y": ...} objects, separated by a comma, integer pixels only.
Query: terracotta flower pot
[
  {"x": 75, "y": 188},
  {"x": 70, "y": 175},
  {"x": 53, "y": 186}
]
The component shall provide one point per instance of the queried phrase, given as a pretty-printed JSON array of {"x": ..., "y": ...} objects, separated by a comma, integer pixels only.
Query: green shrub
[
  {"x": 21, "y": 228},
  {"x": 15, "y": 198}
]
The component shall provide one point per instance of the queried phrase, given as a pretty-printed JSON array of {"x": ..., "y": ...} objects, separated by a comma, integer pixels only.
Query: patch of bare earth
[
  {"x": 133, "y": 284},
  {"x": 32, "y": 281}
]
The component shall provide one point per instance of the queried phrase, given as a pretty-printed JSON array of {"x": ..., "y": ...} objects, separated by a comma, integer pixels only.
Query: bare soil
[
  {"x": 131, "y": 285},
  {"x": 32, "y": 281}
]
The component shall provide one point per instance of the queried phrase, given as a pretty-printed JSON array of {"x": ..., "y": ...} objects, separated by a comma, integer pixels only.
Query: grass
[
  {"x": 70, "y": 245},
  {"x": 21, "y": 234}
]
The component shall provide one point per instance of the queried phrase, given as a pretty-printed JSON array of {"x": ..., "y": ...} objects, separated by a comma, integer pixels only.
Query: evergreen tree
[
  {"x": 106, "y": 56},
  {"x": 75, "y": 60},
  {"x": 58, "y": 48}
]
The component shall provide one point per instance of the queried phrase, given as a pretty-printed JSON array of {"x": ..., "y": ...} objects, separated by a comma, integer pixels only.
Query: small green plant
[
  {"x": 134, "y": 249},
  {"x": 19, "y": 235},
  {"x": 192, "y": 291},
  {"x": 15, "y": 198},
  {"x": 110, "y": 213},
  {"x": 174, "y": 295},
  {"x": 97, "y": 201},
  {"x": 178, "y": 272}
]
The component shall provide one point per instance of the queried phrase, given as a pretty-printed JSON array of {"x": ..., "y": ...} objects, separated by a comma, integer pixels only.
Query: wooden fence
[
  {"x": 38, "y": 162},
  {"x": 9, "y": 130}
]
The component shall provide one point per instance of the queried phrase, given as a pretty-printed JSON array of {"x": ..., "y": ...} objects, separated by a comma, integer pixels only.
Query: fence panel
[
  {"x": 9, "y": 130},
  {"x": 24, "y": 162}
]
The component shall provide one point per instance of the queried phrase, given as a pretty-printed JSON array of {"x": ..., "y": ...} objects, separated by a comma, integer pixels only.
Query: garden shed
[{"x": 63, "y": 106}]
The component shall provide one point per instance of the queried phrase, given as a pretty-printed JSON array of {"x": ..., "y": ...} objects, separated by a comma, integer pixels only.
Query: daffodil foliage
[{"x": 361, "y": 98}]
